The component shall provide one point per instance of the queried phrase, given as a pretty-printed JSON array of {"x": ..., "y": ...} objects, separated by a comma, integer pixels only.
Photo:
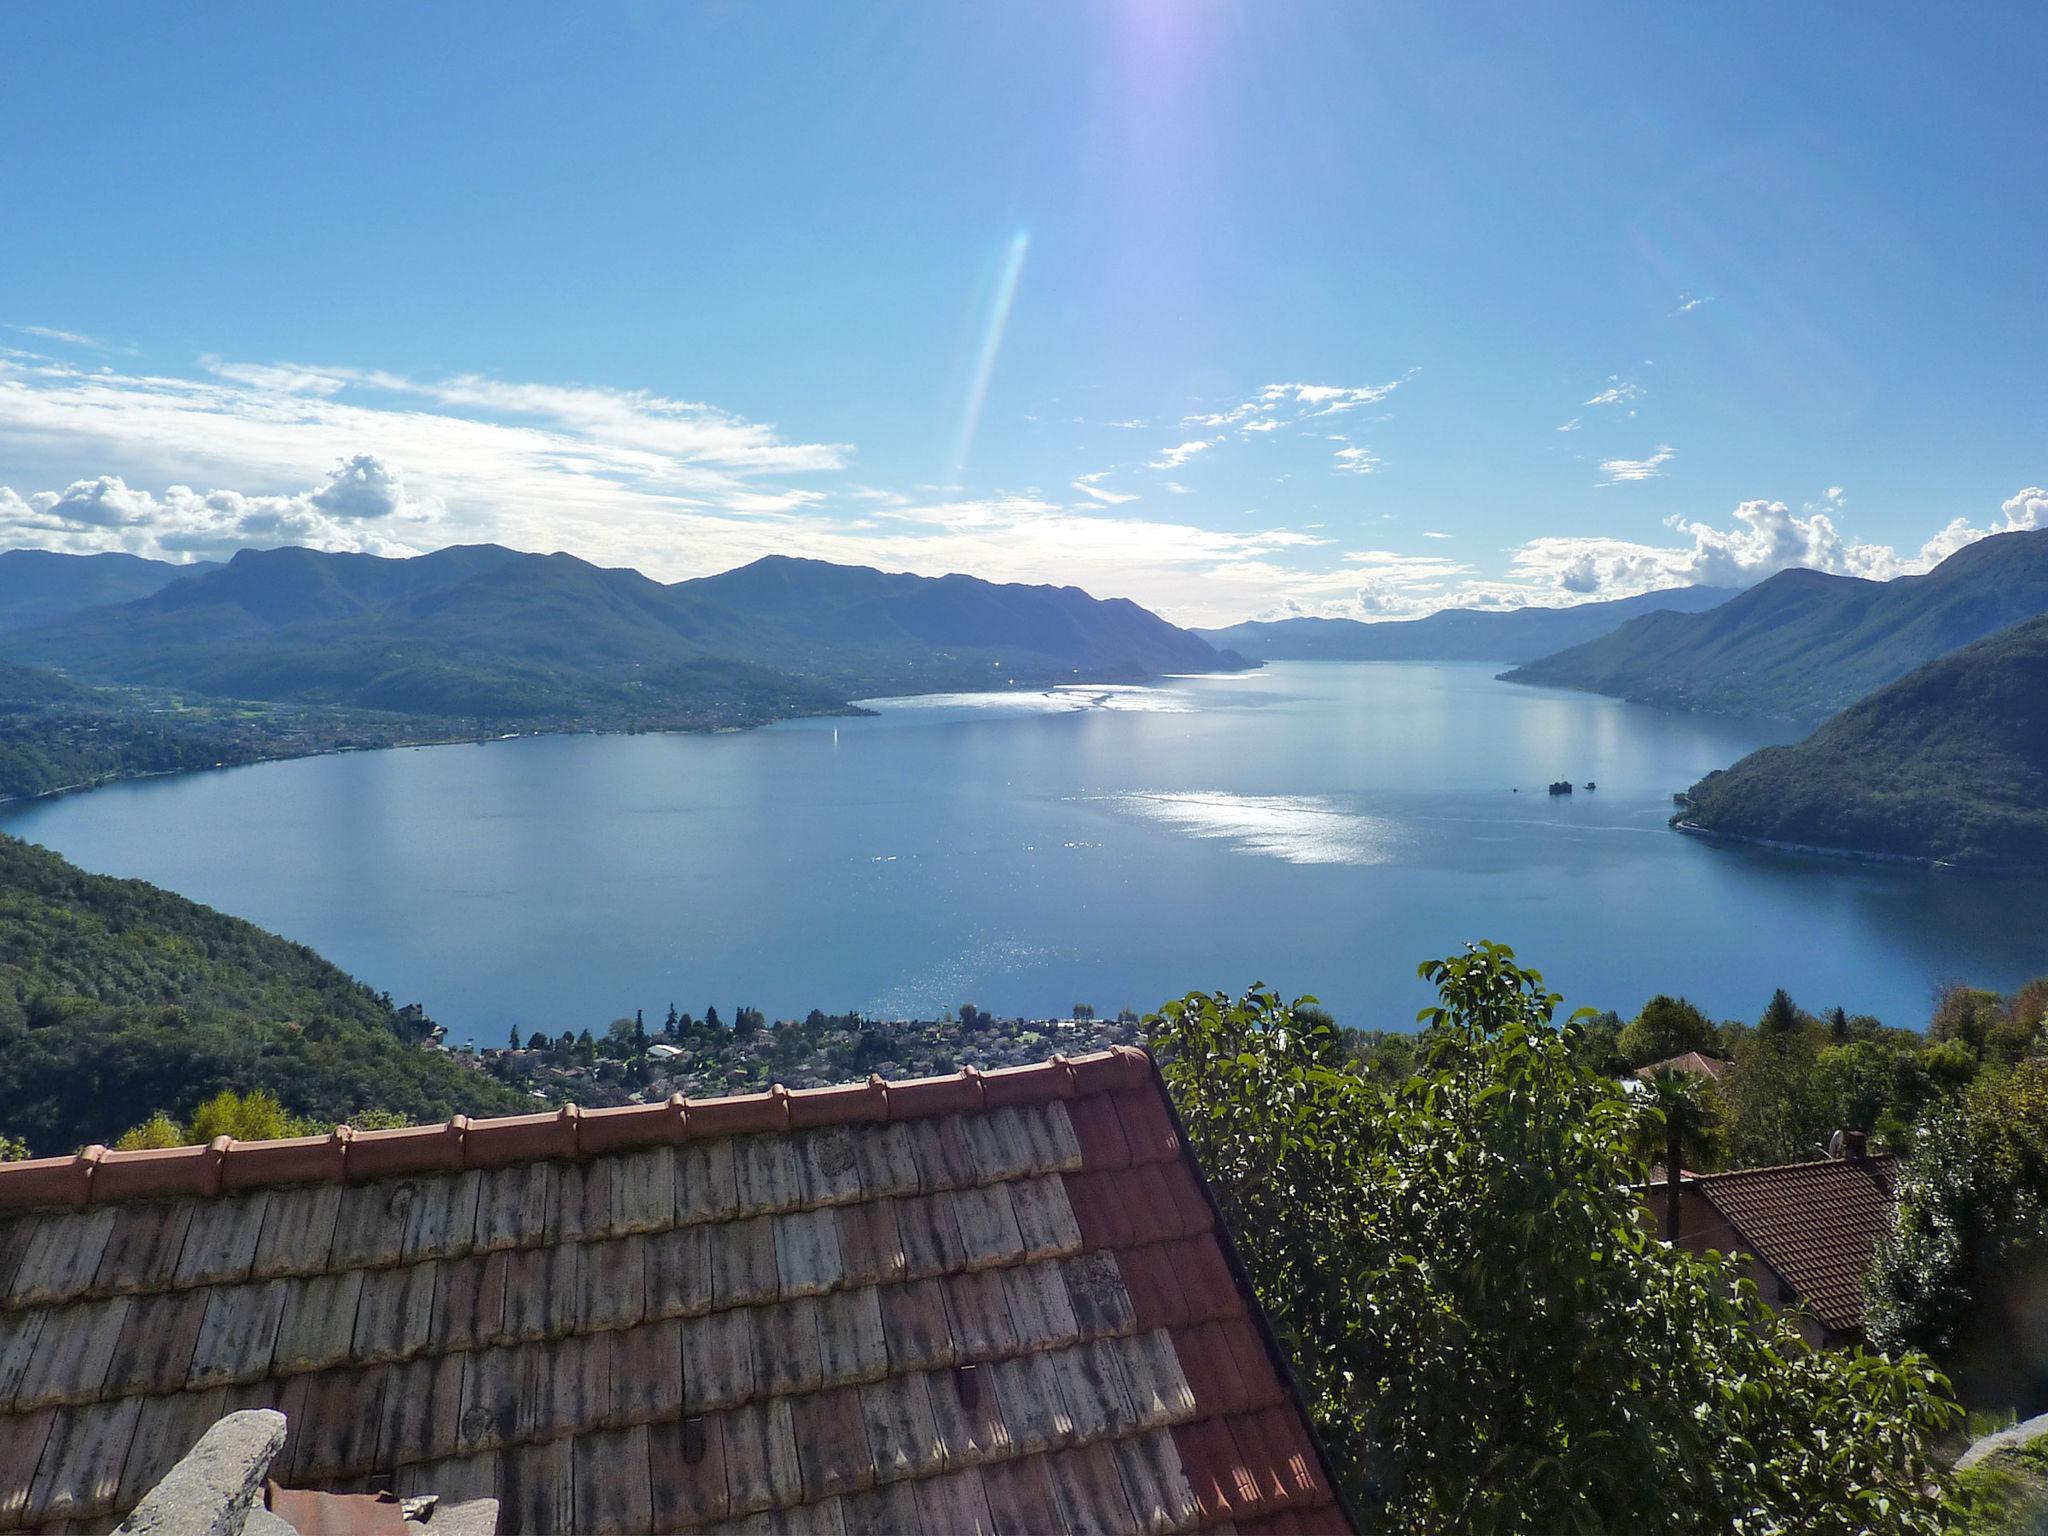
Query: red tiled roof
[
  {"x": 994, "y": 1301},
  {"x": 1815, "y": 1224}
]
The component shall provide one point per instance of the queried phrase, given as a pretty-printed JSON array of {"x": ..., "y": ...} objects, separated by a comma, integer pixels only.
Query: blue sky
[{"x": 1231, "y": 309}]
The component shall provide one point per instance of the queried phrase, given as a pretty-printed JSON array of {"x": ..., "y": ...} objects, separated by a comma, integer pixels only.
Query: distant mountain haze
[
  {"x": 1949, "y": 762},
  {"x": 1804, "y": 643},
  {"x": 1456, "y": 634},
  {"x": 480, "y": 631},
  {"x": 38, "y": 585}
]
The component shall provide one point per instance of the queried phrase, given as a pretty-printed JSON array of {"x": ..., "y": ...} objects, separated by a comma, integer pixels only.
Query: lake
[{"x": 1322, "y": 827}]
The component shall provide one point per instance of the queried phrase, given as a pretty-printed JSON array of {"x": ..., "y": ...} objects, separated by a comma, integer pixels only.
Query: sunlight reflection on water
[{"x": 1301, "y": 829}]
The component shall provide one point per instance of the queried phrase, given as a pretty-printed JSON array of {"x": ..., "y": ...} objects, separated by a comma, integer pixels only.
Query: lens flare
[{"x": 991, "y": 344}]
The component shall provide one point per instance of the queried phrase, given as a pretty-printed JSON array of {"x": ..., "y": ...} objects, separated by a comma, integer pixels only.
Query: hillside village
[{"x": 635, "y": 1062}]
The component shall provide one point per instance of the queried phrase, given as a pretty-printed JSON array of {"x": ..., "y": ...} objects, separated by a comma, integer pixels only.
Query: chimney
[{"x": 1855, "y": 1144}]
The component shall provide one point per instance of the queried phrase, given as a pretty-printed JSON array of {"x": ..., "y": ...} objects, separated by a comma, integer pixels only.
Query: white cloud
[
  {"x": 1173, "y": 458},
  {"x": 2027, "y": 509},
  {"x": 1355, "y": 460},
  {"x": 1623, "y": 471},
  {"x": 1431, "y": 533},
  {"x": 1687, "y": 302},
  {"x": 1090, "y": 485},
  {"x": 1570, "y": 426},
  {"x": 68, "y": 338},
  {"x": 1178, "y": 489},
  {"x": 1618, "y": 392},
  {"x": 106, "y": 513}
]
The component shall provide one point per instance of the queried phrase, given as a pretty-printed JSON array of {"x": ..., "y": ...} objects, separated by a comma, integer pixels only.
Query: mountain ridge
[
  {"x": 1948, "y": 764},
  {"x": 1454, "y": 634},
  {"x": 1804, "y": 643},
  {"x": 482, "y": 631}
]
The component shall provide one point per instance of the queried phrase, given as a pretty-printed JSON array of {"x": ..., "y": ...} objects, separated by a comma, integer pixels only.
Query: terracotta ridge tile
[{"x": 97, "y": 1176}]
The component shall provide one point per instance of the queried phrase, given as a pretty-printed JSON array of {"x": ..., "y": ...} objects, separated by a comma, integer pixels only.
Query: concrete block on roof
[{"x": 212, "y": 1490}]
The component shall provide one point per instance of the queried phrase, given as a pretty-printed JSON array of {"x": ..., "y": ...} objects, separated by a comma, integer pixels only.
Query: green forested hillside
[
  {"x": 117, "y": 999},
  {"x": 1949, "y": 762},
  {"x": 490, "y": 634},
  {"x": 38, "y": 585},
  {"x": 1804, "y": 644}
]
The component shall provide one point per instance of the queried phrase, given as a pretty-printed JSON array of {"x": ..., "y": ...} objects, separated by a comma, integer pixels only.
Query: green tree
[
  {"x": 1667, "y": 1027},
  {"x": 1485, "y": 1330},
  {"x": 154, "y": 1134},
  {"x": 12, "y": 1148},
  {"x": 253, "y": 1116}
]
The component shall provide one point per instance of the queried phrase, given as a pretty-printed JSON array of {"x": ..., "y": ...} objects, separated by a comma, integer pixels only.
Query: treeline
[
  {"x": 1793, "y": 1078},
  {"x": 118, "y": 999}
]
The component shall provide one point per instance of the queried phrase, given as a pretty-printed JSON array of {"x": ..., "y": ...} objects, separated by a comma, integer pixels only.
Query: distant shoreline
[{"x": 1864, "y": 855}]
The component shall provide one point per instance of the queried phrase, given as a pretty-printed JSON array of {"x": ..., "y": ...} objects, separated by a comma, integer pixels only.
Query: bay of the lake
[{"x": 1321, "y": 827}]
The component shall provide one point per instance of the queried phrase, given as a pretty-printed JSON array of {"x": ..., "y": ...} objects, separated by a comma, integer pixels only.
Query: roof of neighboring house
[
  {"x": 1697, "y": 1062},
  {"x": 993, "y": 1301},
  {"x": 1815, "y": 1224}
]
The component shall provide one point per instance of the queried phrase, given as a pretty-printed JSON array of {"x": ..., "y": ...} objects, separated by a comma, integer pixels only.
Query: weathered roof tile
[
  {"x": 513, "y": 1204},
  {"x": 422, "y": 1412},
  {"x": 71, "y": 1357},
  {"x": 954, "y": 1502},
  {"x": 870, "y": 1245},
  {"x": 1033, "y": 1404},
  {"x": 968, "y": 1415},
  {"x": 1045, "y": 1221},
  {"x": 706, "y": 1184},
  {"x": 902, "y": 1435},
  {"x": 852, "y": 1341},
  {"x": 887, "y": 1510},
  {"x": 154, "y": 1350},
  {"x": 761, "y": 1468},
  {"x": 686, "y": 1465},
  {"x": 914, "y": 1323},
  {"x": 718, "y": 1361},
  {"x": 1040, "y": 1312},
  {"x": 887, "y": 1307},
  {"x": 786, "y": 1352},
  {"x": 931, "y": 1235},
  {"x": 142, "y": 1253},
  {"x": 807, "y": 1260},
  {"x": 1020, "y": 1497},
  {"x": 644, "y": 1190},
  {"x": 613, "y": 1276},
  {"x": 582, "y": 1207},
  {"x": 61, "y": 1257},
  {"x": 743, "y": 1272},
  {"x": 1155, "y": 1483},
  {"x": 237, "y": 1333},
  {"x": 832, "y": 1443},
  {"x": 1090, "y": 1491},
  {"x": 80, "y": 1470},
  {"x": 166, "y": 1427},
  {"x": 469, "y": 1301},
  {"x": 442, "y": 1221},
  {"x": 678, "y": 1279},
  {"x": 393, "y": 1313},
  {"x": 614, "y": 1496},
  {"x": 831, "y": 1170},
  {"x": 647, "y": 1373},
  {"x": 768, "y": 1174},
  {"x": 988, "y": 1226},
  {"x": 885, "y": 1156}
]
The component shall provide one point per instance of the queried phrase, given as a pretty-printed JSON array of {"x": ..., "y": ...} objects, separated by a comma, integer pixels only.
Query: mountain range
[
  {"x": 485, "y": 633},
  {"x": 1804, "y": 644},
  {"x": 38, "y": 585},
  {"x": 1948, "y": 763},
  {"x": 1456, "y": 634}
]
